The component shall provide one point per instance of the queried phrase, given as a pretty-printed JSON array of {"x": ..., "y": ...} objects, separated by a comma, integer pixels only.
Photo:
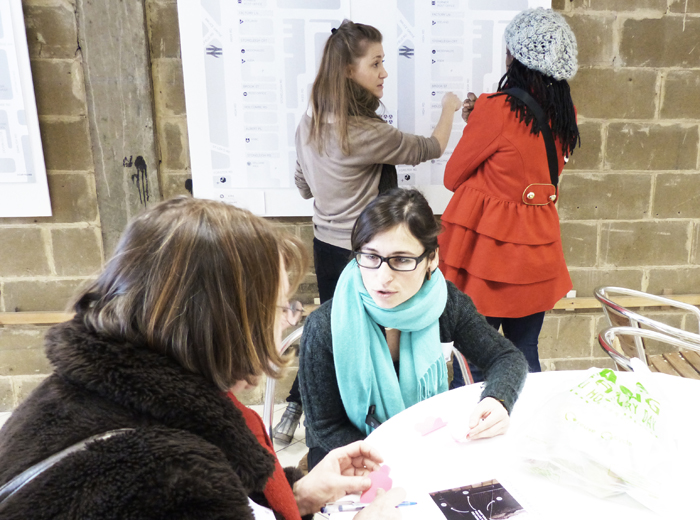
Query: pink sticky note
[
  {"x": 380, "y": 480},
  {"x": 430, "y": 424}
]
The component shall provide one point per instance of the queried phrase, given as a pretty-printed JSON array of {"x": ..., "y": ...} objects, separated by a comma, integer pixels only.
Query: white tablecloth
[{"x": 423, "y": 464}]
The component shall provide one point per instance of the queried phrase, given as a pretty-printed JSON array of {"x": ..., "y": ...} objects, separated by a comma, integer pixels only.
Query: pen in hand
[{"x": 357, "y": 506}]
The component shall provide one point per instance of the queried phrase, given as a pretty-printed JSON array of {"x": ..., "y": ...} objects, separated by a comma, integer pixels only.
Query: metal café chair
[
  {"x": 618, "y": 315},
  {"x": 269, "y": 405},
  {"x": 458, "y": 357},
  {"x": 685, "y": 362}
]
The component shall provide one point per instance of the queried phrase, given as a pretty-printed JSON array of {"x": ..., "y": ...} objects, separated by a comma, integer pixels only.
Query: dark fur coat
[{"x": 191, "y": 454}]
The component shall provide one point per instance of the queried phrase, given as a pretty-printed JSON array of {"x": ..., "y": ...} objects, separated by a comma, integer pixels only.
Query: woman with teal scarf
[{"x": 375, "y": 348}]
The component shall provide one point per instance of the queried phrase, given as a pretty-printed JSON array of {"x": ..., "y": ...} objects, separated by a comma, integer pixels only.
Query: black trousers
[
  {"x": 329, "y": 261},
  {"x": 523, "y": 332}
]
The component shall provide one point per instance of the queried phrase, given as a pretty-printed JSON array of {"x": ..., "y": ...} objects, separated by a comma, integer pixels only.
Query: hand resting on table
[{"x": 488, "y": 419}]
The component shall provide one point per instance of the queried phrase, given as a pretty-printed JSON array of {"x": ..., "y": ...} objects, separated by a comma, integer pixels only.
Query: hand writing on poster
[{"x": 468, "y": 105}]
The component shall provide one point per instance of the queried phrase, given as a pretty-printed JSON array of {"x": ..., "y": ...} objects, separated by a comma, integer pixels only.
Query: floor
[{"x": 291, "y": 454}]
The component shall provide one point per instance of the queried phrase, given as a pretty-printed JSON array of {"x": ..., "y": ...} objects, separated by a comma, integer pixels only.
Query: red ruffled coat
[{"x": 502, "y": 243}]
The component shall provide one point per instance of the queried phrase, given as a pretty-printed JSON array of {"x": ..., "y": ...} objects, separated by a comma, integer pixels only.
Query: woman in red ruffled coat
[{"x": 502, "y": 243}]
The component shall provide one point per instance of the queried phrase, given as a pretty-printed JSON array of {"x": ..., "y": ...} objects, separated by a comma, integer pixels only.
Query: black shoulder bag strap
[
  {"x": 17, "y": 483},
  {"x": 544, "y": 128}
]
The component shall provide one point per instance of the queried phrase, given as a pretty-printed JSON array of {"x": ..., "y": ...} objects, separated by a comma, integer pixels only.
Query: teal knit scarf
[{"x": 363, "y": 364}]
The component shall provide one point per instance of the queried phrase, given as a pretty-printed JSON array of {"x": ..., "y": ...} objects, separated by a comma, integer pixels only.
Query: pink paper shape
[
  {"x": 430, "y": 424},
  {"x": 380, "y": 480}
]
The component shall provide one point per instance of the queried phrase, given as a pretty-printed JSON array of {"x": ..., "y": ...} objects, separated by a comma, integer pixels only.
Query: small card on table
[{"x": 482, "y": 501}]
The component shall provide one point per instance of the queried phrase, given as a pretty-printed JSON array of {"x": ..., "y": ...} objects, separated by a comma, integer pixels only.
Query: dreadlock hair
[
  {"x": 333, "y": 93},
  {"x": 553, "y": 96}
]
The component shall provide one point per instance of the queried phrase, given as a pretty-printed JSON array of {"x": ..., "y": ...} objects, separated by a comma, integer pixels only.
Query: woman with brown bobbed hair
[{"x": 191, "y": 306}]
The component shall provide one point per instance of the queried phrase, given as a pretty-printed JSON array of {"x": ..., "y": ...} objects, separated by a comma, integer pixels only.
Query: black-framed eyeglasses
[
  {"x": 395, "y": 263},
  {"x": 292, "y": 312}
]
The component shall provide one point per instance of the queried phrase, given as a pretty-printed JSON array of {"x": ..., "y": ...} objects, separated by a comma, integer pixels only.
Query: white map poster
[
  {"x": 249, "y": 66},
  {"x": 24, "y": 190}
]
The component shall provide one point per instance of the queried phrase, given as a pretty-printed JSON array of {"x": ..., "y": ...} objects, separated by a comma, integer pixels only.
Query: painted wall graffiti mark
[{"x": 140, "y": 178}]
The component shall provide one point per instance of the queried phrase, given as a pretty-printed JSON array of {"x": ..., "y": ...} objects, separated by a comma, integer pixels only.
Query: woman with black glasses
[{"x": 375, "y": 348}]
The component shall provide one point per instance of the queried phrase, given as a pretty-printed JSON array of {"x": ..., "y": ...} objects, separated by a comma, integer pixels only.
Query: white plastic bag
[{"x": 606, "y": 435}]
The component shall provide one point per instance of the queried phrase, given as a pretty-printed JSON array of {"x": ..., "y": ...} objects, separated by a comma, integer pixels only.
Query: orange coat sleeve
[{"x": 479, "y": 141}]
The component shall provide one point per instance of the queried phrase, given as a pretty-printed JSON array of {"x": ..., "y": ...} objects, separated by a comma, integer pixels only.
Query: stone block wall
[
  {"x": 629, "y": 197},
  {"x": 169, "y": 95},
  {"x": 44, "y": 260}
]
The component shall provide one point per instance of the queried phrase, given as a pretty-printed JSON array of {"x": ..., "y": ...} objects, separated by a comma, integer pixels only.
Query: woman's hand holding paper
[
  {"x": 489, "y": 418},
  {"x": 342, "y": 472}
]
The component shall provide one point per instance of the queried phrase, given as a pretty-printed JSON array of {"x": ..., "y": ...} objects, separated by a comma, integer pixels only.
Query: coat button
[
  {"x": 552, "y": 198},
  {"x": 531, "y": 195}
]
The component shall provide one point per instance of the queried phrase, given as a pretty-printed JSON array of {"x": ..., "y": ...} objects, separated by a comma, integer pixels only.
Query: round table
[{"x": 427, "y": 463}]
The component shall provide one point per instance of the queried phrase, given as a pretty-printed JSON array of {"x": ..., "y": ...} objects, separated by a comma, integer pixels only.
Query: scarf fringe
[{"x": 435, "y": 379}]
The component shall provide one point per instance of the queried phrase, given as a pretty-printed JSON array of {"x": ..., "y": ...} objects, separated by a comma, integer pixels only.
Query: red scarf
[{"x": 277, "y": 491}]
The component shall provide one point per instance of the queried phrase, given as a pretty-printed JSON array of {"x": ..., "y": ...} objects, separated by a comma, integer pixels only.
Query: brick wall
[
  {"x": 629, "y": 205},
  {"x": 44, "y": 260},
  {"x": 169, "y": 95},
  {"x": 630, "y": 197}
]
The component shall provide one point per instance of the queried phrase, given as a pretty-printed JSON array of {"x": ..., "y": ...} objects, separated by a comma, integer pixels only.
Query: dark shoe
[{"x": 284, "y": 431}]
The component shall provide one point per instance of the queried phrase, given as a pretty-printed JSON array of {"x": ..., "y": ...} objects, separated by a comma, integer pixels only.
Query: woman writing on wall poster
[{"x": 502, "y": 244}]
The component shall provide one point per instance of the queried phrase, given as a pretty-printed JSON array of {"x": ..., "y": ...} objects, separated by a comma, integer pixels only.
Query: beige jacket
[{"x": 342, "y": 185}]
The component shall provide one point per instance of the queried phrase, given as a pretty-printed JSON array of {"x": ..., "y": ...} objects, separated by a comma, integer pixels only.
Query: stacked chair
[{"x": 625, "y": 338}]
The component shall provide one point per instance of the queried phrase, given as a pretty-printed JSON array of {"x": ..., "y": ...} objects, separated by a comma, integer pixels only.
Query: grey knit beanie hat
[{"x": 541, "y": 40}]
